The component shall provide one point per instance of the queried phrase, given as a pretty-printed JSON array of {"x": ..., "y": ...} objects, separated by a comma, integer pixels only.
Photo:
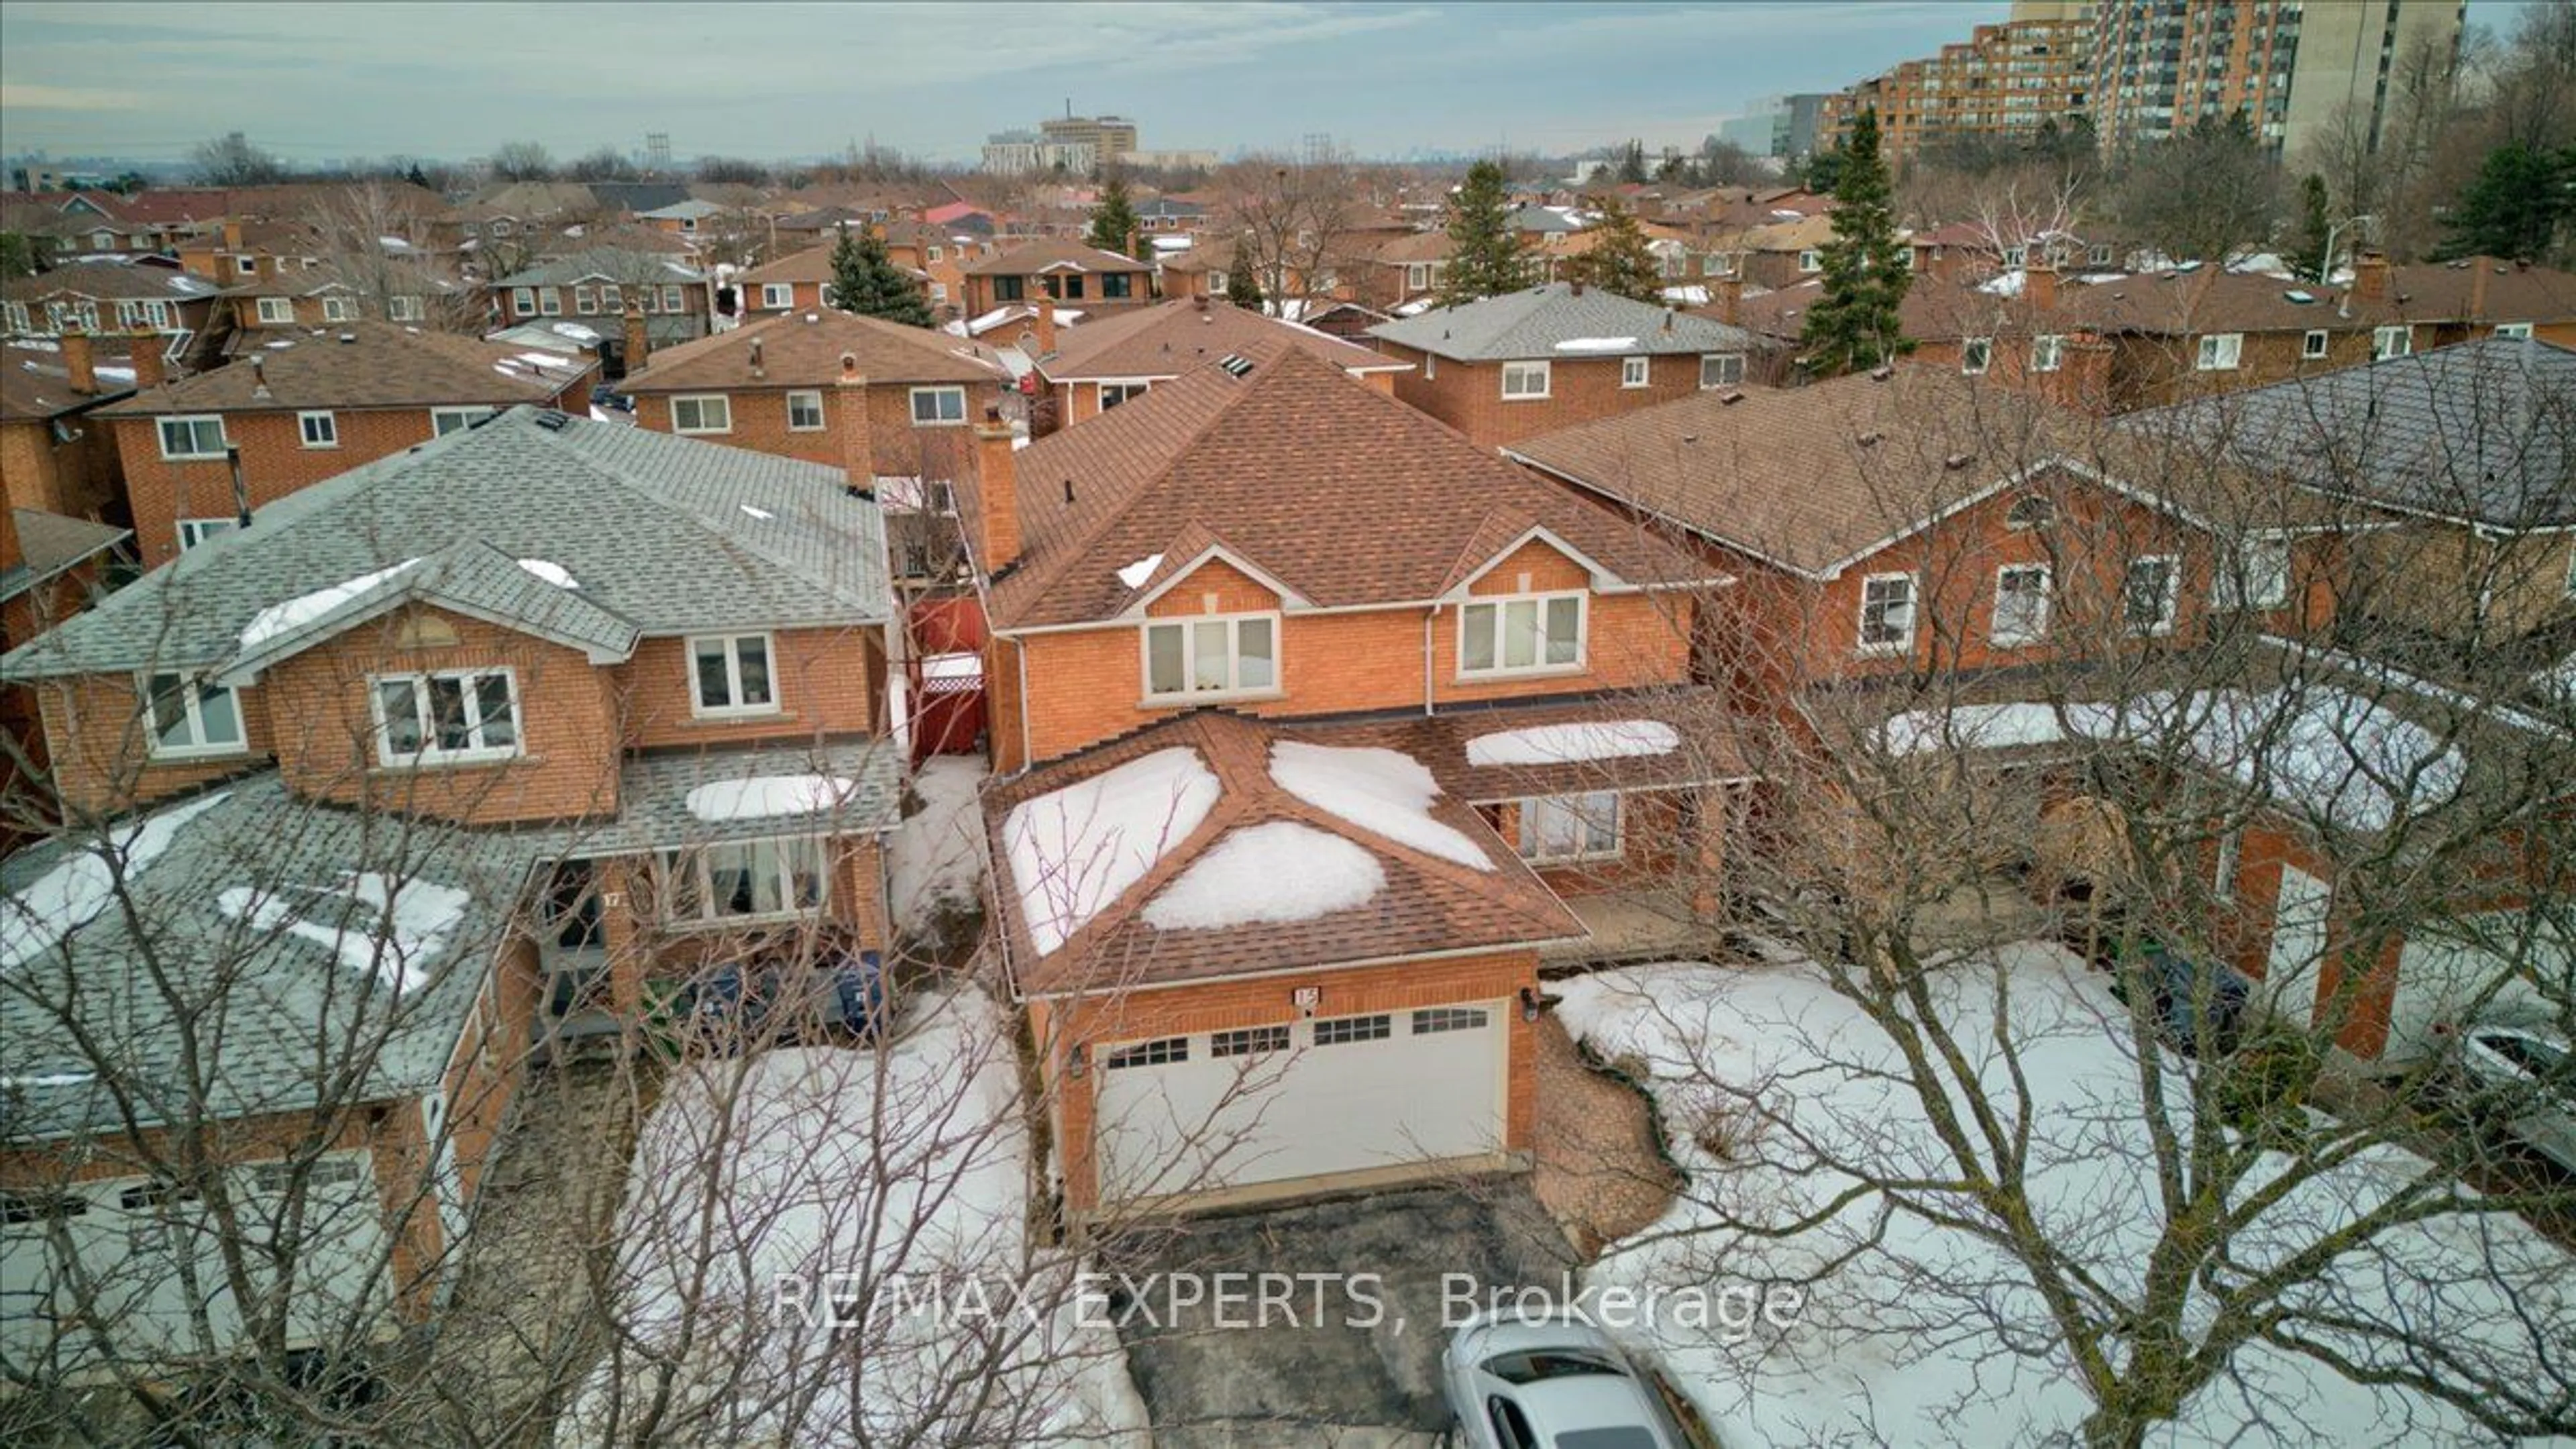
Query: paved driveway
[{"x": 1309, "y": 1367}]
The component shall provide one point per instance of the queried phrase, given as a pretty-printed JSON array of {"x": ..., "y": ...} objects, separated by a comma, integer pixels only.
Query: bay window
[{"x": 1521, "y": 634}]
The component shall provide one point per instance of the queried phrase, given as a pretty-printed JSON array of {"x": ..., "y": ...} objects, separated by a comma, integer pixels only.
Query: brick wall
[
  {"x": 900, "y": 449},
  {"x": 1468, "y": 396}
]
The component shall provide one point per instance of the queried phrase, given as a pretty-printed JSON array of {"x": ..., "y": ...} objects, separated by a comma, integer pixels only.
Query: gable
[
  {"x": 1537, "y": 565},
  {"x": 1213, "y": 585}
]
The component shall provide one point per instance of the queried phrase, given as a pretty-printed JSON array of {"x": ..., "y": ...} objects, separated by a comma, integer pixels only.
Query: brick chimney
[
  {"x": 80, "y": 363},
  {"x": 858, "y": 449},
  {"x": 1046, "y": 323},
  {"x": 144, "y": 346},
  {"x": 997, "y": 493},
  {"x": 638, "y": 347},
  {"x": 2370, "y": 276},
  {"x": 1727, "y": 291},
  {"x": 2039, "y": 286}
]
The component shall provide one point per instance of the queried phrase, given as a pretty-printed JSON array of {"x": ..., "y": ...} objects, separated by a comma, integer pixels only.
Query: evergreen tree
[
  {"x": 1619, "y": 261},
  {"x": 1824, "y": 171},
  {"x": 1855, "y": 325},
  {"x": 1243, "y": 278},
  {"x": 2316, "y": 228},
  {"x": 866, "y": 281},
  {"x": 1632, "y": 163},
  {"x": 2515, "y": 206},
  {"x": 1485, "y": 259},
  {"x": 416, "y": 178},
  {"x": 1114, "y": 227}
]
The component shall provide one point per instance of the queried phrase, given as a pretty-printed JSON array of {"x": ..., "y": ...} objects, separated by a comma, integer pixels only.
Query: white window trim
[
  {"x": 914, "y": 402},
  {"x": 674, "y": 299},
  {"x": 821, "y": 419},
  {"x": 2172, "y": 609},
  {"x": 1913, "y": 613},
  {"x": 723, "y": 401},
  {"x": 550, "y": 301},
  {"x": 2048, "y": 352},
  {"x": 2218, "y": 351},
  {"x": 1417, "y": 277},
  {"x": 1976, "y": 354},
  {"x": 777, "y": 296},
  {"x": 2038, "y": 631},
  {"x": 733, "y": 676},
  {"x": 198, "y": 526},
  {"x": 1810, "y": 262},
  {"x": 1525, "y": 845},
  {"x": 523, "y": 301},
  {"x": 1498, "y": 669},
  {"x": 402, "y": 307},
  {"x": 1186, "y": 623},
  {"x": 1705, "y": 358},
  {"x": 2231, "y": 856},
  {"x": 1127, "y": 392},
  {"x": 1546, "y": 381},
  {"x": 276, "y": 311},
  {"x": 467, "y": 417},
  {"x": 304, "y": 429},
  {"x": 1636, "y": 371},
  {"x": 2315, "y": 344},
  {"x": 223, "y": 439},
  {"x": 247, "y": 266},
  {"x": 2513, "y": 330},
  {"x": 694, "y": 860},
  {"x": 2380, "y": 337},
  {"x": 2232, "y": 574},
  {"x": 196, "y": 722},
  {"x": 430, "y": 756},
  {"x": 339, "y": 309}
]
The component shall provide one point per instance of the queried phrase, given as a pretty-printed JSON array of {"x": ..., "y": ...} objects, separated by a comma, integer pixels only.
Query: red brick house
[
  {"x": 1098, "y": 366},
  {"x": 1077, "y": 276}
]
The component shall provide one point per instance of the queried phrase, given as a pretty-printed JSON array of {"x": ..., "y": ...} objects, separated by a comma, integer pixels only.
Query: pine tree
[
  {"x": 866, "y": 281},
  {"x": 415, "y": 177},
  {"x": 1855, "y": 324},
  {"x": 1632, "y": 163},
  {"x": 1114, "y": 227},
  {"x": 2316, "y": 229},
  {"x": 1619, "y": 261},
  {"x": 2515, "y": 206},
  {"x": 1243, "y": 279},
  {"x": 1485, "y": 259}
]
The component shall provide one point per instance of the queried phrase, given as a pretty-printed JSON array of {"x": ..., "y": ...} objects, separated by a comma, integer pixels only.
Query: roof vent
[
  {"x": 1868, "y": 440},
  {"x": 1235, "y": 364},
  {"x": 1957, "y": 461},
  {"x": 811, "y": 318},
  {"x": 348, "y": 336},
  {"x": 552, "y": 421},
  {"x": 1730, "y": 397},
  {"x": 757, "y": 370},
  {"x": 1068, "y": 490},
  {"x": 258, "y": 376},
  {"x": 849, "y": 367}
]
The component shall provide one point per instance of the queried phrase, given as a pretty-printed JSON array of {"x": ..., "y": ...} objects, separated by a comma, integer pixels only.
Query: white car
[
  {"x": 1549, "y": 1383},
  {"x": 2531, "y": 1068}
]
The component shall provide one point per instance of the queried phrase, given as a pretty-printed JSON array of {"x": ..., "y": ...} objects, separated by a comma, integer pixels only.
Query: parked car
[
  {"x": 840, "y": 994},
  {"x": 1529, "y": 1382},
  {"x": 2530, "y": 1066},
  {"x": 2172, "y": 979}
]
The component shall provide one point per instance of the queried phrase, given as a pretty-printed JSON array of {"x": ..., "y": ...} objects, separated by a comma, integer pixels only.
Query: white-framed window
[
  {"x": 339, "y": 309},
  {"x": 550, "y": 301},
  {"x": 2314, "y": 344},
  {"x": 1114, "y": 393},
  {"x": 729, "y": 674},
  {"x": 939, "y": 291},
  {"x": 1886, "y": 613},
  {"x": 1811, "y": 260},
  {"x": 744, "y": 880},
  {"x": 1976, "y": 354},
  {"x": 247, "y": 266},
  {"x": 804, "y": 412},
  {"x": 2021, "y": 604},
  {"x": 402, "y": 308},
  {"x": 443, "y": 421},
  {"x": 2219, "y": 351},
  {"x": 188, "y": 439},
  {"x": 523, "y": 300},
  {"x": 1433, "y": 1020},
  {"x": 2513, "y": 329},
  {"x": 2148, "y": 592},
  {"x": 455, "y": 716},
  {"x": 1222, "y": 654},
  {"x": 1557, "y": 828},
  {"x": 932, "y": 253},
  {"x": 1524, "y": 380},
  {"x": 194, "y": 531},
  {"x": 1247, "y": 1041},
  {"x": 319, "y": 430},
  {"x": 2230, "y": 852},
  {"x": 938, "y": 406},
  {"x": 777, "y": 296},
  {"x": 1721, "y": 369},
  {"x": 1520, "y": 634},
  {"x": 83, "y": 312},
  {"x": 2029, "y": 511},
  {"x": 1417, "y": 276},
  {"x": 2047, "y": 352},
  {"x": 14, "y": 314},
  {"x": 1430, "y": 366},
  {"x": 2259, "y": 575},
  {"x": 144, "y": 312},
  {"x": 2388, "y": 342},
  {"x": 276, "y": 311},
  {"x": 612, "y": 298},
  {"x": 1632, "y": 371},
  {"x": 188, "y": 718},
  {"x": 2098, "y": 254},
  {"x": 672, "y": 300},
  {"x": 702, "y": 413},
  {"x": 585, "y": 300}
]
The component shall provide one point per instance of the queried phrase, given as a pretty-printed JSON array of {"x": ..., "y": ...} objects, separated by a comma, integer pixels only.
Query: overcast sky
[{"x": 314, "y": 82}]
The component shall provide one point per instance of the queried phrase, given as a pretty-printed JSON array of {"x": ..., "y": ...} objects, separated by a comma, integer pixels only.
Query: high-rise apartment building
[
  {"x": 2003, "y": 83},
  {"x": 1109, "y": 137}
]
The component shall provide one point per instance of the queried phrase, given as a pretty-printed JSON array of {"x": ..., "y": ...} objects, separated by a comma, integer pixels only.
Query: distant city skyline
[{"x": 453, "y": 81}]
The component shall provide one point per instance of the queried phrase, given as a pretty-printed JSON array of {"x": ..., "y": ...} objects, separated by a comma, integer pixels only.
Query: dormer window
[
  {"x": 1520, "y": 634},
  {"x": 452, "y": 717},
  {"x": 190, "y": 719}
]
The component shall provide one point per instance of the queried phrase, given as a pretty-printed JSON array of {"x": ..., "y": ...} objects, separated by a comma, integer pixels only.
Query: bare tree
[
  {"x": 1292, "y": 216},
  {"x": 604, "y": 163},
  {"x": 231, "y": 160},
  {"x": 522, "y": 161}
]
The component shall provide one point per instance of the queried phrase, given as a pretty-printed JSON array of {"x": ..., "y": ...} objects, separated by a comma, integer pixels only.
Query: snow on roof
[
  {"x": 391, "y": 930},
  {"x": 1597, "y": 344},
  {"x": 763, "y": 796},
  {"x": 550, "y": 571},
  {"x": 763, "y": 514},
  {"x": 575, "y": 331},
  {"x": 1073, "y": 851},
  {"x": 304, "y": 609},
  {"x": 1135, "y": 574},
  {"x": 2006, "y": 284},
  {"x": 1382, "y": 791},
  {"x": 1559, "y": 744},
  {"x": 1272, "y": 873},
  {"x": 67, "y": 897}
]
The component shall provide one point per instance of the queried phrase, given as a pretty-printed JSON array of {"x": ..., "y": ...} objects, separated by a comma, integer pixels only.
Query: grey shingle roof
[
  {"x": 50, "y": 543},
  {"x": 2482, "y": 432},
  {"x": 662, "y": 534},
  {"x": 1530, "y": 324},
  {"x": 622, "y": 267}
]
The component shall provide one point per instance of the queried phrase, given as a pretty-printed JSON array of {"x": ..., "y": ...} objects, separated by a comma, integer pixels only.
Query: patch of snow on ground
[
  {"x": 1383, "y": 791},
  {"x": 902, "y": 1171},
  {"x": 67, "y": 897},
  {"x": 303, "y": 609},
  {"x": 1073, "y": 851},
  {"x": 391, "y": 930},
  {"x": 1277, "y": 872},
  {"x": 550, "y": 571},
  {"x": 763, "y": 796},
  {"x": 1560, "y": 744},
  {"x": 936, "y": 856},
  {"x": 1896, "y": 1344},
  {"x": 1598, "y": 344},
  {"x": 1135, "y": 574}
]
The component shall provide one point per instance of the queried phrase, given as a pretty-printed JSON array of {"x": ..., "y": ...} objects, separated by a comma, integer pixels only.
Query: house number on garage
[{"x": 1307, "y": 998}]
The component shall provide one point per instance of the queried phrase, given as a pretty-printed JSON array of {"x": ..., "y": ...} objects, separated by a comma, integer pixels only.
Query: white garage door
[
  {"x": 1189, "y": 1114},
  {"x": 2298, "y": 944}
]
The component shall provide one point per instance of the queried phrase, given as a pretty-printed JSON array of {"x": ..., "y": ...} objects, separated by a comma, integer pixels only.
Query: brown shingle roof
[
  {"x": 1427, "y": 903},
  {"x": 110, "y": 280},
  {"x": 1064, "y": 253},
  {"x": 1179, "y": 336},
  {"x": 34, "y": 384},
  {"x": 363, "y": 365},
  {"x": 813, "y": 264},
  {"x": 804, "y": 349},
  {"x": 1341, "y": 493}
]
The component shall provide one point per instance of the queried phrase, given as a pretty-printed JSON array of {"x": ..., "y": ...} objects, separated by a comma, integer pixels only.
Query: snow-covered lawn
[
  {"x": 906, "y": 1169},
  {"x": 936, "y": 857},
  {"x": 1902, "y": 1344}
]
